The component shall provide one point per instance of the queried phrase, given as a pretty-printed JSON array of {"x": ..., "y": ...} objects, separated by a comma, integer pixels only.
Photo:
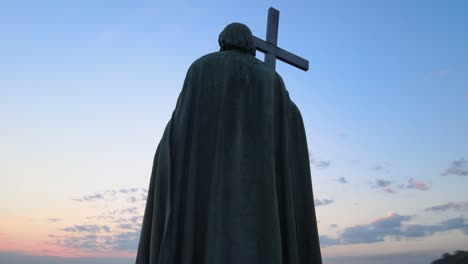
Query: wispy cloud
[
  {"x": 54, "y": 220},
  {"x": 373, "y": 232},
  {"x": 448, "y": 206},
  {"x": 95, "y": 238},
  {"x": 87, "y": 228},
  {"x": 323, "y": 202},
  {"x": 97, "y": 196},
  {"x": 319, "y": 163},
  {"x": 115, "y": 229},
  {"x": 392, "y": 226},
  {"x": 129, "y": 190},
  {"x": 342, "y": 180},
  {"x": 326, "y": 241},
  {"x": 457, "y": 167},
  {"x": 125, "y": 240},
  {"x": 380, "y": 183},
  {"x": 389, "y": 187},
  {"x": 381, "y": 166},
  {"x": 132, "y": 195},
  {"x": 418, "y": 185},
  {"x": 384, "y": 185}
]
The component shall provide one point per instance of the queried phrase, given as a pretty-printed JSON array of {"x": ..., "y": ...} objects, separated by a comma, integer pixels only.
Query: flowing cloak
[{"x": 231, "y": 180}]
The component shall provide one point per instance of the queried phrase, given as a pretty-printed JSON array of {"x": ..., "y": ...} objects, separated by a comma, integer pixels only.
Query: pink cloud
[{"x": 419, "y": 185}]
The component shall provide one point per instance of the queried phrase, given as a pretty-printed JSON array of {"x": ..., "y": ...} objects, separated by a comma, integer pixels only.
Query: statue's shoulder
[
  {"x": 207, "y": 57},
  {"x": 231, "y": 55},
  {"x": 214, "y": 59},
  {"x": 203, "y": 60}
]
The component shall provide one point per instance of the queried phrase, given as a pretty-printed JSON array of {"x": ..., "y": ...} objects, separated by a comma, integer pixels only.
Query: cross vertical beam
[
  {"x": 272, "y": 35},
  {"x": 270, "y": 48}
]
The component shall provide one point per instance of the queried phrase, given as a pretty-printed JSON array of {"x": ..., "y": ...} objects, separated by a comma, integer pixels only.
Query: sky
[{"x": 87, "y": 88}]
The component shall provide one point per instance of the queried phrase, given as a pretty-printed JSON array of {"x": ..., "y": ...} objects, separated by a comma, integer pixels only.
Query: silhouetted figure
[{"x": 231, "y": 180}]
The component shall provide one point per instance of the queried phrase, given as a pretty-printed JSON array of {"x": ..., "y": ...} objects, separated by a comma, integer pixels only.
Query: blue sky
[{"x": 88, "y": 87}]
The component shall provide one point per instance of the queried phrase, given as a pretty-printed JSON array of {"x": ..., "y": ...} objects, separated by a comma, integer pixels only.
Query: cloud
[
  {"x": 54, "y": 220},
  {"x": 86, "y": 243},
  {"x": 323, "y": 202},
  {"x": 384, "y": 185},
  {"x": 132, "y": 195},
  {"x": 448, "y": 206},
  {"x": 87, "y": 228},
  {"x": 392, "y": 220},
  {"x": 326, "y": 241},
  {"x": 333, "y": 226},
  {"x": 379, "y": 183},
  {"x": 382, "y": 166},
  {"x": 458, "y": 167},
  {"x": 319, "y": 164},
  {"x": 129, "y": 190},
  {"x": 97, "y": 196},
  {"x": 115, "y": 229},
  {"x": 392, "y": 226},
  {"x": 419, "y": 185},
  {"x": 342, "y": 180},
  {"x": 130, "y": 210},
  {"x": 132, "y": 199},
  {"x": 126, "y": 241},
  {"x": 136, "y": 219},
  {"x": 377, "y": 167},
  {"x": 94, "y": 238},
  {"x": 126, "y": 226},
  {"x": 416, "y": 231}
]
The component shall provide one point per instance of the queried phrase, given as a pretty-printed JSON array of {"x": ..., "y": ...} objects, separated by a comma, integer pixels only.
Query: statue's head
[{"x": 237, "y": 36}]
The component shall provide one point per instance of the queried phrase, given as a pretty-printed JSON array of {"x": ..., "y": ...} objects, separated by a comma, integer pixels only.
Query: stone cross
[{"x": 273, "y": 52}]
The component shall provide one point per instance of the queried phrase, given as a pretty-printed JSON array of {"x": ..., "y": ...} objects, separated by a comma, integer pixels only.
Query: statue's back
[{"x": 231, "y": 177}]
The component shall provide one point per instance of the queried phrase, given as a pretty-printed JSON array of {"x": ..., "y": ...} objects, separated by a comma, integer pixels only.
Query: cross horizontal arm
[{"x": 281, "y": 54}]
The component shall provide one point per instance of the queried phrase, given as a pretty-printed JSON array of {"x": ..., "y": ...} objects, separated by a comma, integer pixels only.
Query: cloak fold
[{"x": 231, "y": 180}]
